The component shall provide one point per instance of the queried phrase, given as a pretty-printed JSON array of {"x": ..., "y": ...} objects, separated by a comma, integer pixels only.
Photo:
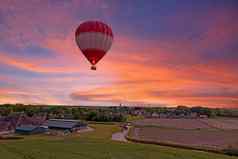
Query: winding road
[{"x": 120, "y": 136}]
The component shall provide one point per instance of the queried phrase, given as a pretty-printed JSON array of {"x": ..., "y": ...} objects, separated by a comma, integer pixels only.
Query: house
[
  {"x": 63, "y": 124},
  {"x": 163, "y": 115},
  {"x": 203, "y": 116},
  {"x": 194, "y": 115},
  {"x": 30, "y": 129},
  {"x": 155, "y": 115}
]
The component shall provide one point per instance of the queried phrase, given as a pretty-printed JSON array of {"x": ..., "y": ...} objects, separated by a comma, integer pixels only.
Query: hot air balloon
[{"x": 94, "y": 39}]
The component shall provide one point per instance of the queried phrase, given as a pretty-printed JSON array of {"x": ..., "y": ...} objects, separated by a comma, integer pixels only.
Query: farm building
[
  {"x": 30, "y": 129},
  {"x": 62, "y": 124}
]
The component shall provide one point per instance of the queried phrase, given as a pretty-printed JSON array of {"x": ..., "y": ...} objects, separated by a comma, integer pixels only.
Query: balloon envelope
[{"x": 94, "y": 38}]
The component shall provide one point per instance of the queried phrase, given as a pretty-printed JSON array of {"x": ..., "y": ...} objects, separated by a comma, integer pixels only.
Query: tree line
[{"x": 109, "y": 114}]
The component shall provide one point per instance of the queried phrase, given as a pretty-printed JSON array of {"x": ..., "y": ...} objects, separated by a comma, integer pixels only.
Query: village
[{"x": 55, "y": 120}]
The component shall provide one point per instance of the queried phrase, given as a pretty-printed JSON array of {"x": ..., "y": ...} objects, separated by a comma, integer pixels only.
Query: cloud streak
[{"x": 185, "y": 54}]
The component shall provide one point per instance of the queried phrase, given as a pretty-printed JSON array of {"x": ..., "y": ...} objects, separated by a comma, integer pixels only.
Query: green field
[{"x": 93, "y": 145}]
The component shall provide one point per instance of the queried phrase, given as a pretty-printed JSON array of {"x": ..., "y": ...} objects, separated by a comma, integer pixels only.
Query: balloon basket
[{"x": 93, "y": 68}]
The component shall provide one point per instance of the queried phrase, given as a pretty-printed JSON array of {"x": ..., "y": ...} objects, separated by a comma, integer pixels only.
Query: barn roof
[
  {"x": 61, "y": 123},
  {"x": 26, "y": 128}
]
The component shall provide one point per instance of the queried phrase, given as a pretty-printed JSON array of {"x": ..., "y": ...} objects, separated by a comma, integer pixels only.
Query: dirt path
[
  {"x": 88, "y": 129},
  {"x": 120, "y": 136}
]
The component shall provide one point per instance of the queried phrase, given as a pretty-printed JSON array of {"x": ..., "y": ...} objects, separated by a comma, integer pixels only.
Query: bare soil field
[
  {"x": 222, "y": 123},
  {"x": 174, "y": 123},
  {"x": 190, "y": 124},
  {"x": 212, "y": 134}
]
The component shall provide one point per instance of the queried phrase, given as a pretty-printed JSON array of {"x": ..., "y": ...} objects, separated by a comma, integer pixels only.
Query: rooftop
[
  {"x": 62, "y": 123},
  {"x": 26, "y": 127}
]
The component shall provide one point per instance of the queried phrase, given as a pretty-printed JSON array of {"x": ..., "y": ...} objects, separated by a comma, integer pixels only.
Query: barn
[
  {"x": 63, "y": 124},
  {"x": 30, "y": 129}
]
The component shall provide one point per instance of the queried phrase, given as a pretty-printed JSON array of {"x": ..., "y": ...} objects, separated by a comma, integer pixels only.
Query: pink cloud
[
  {"x": 222, "y": 29},
  {"x": 35, "y": 65},
  {"x": 132, "y": 71}
]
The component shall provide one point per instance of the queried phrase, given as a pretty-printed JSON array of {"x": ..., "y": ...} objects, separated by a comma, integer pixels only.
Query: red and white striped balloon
[{"x": 94, "y": 39}]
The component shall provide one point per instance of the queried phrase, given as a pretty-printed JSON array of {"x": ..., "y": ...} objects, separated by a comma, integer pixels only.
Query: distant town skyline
[{"x": 164, "y": 53}]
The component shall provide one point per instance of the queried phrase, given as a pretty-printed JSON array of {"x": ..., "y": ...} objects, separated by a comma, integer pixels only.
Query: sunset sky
[{"x": 165, "y": 53}]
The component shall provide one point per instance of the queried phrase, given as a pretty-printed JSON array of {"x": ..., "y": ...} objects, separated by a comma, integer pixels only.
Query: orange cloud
[
  {"x": 16, "y": 95},
  {"x": 37, "y": 65},
  {"x": 136, "y": 80},
  {"x": 165, "y": 71}
]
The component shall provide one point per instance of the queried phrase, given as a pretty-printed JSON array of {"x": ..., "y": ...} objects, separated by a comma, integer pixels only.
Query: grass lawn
[{"x": 93, "y": 145}]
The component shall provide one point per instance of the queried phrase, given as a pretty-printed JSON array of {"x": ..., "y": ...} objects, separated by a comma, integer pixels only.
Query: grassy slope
[{"x": 93, "y": 145}]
